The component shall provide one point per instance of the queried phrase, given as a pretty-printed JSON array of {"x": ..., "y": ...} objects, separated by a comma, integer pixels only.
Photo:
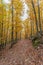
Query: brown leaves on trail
[{"x": 22, "y": 53}]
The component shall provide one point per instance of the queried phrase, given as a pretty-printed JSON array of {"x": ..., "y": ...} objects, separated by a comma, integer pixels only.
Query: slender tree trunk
[
  {"x": 16, "y": 29},
  {"x": 16, "y": 35},
  {"x": 35, "y": 15},
  {"x": 2, "y": 27},
  {"x": 39, "y": 16},
  {"x": 12, "y": 38},
  {"x": 12, "y": 23},
  {"x": 31, "y": 28},
  {"x": 20, "y": 35},
  {"x": 25, "y": 33}
]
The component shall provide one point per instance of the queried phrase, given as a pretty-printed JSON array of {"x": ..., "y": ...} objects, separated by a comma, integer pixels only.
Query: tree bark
[{"x": 35, "y": 15}]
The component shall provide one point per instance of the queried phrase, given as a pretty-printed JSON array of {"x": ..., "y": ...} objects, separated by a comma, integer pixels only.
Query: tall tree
[
  {"x": 17, "y": 7},
  {"x": 38, "y": 1},
  {"x": 12, "y": 22}
]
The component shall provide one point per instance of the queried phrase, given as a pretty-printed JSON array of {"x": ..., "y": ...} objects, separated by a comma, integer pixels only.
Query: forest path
[{"x": 22, "y": 53}]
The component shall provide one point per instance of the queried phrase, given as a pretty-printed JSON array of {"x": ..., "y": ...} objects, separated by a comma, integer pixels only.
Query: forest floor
[{"x": 22, "y": 53}]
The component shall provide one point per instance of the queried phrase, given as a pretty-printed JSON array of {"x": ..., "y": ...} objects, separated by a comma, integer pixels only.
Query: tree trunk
[
  {"x": 35, "y": 15},
  {"x": 12, "y": 24},
  {"x": 39, "y": 16}
]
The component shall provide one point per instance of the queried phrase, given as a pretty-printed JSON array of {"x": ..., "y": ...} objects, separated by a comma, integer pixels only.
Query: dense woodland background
[{"x": 13, "y": 28}]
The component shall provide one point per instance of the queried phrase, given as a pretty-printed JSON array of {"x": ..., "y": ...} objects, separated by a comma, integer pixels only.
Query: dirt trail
[{"x": 22, "y": 53}]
